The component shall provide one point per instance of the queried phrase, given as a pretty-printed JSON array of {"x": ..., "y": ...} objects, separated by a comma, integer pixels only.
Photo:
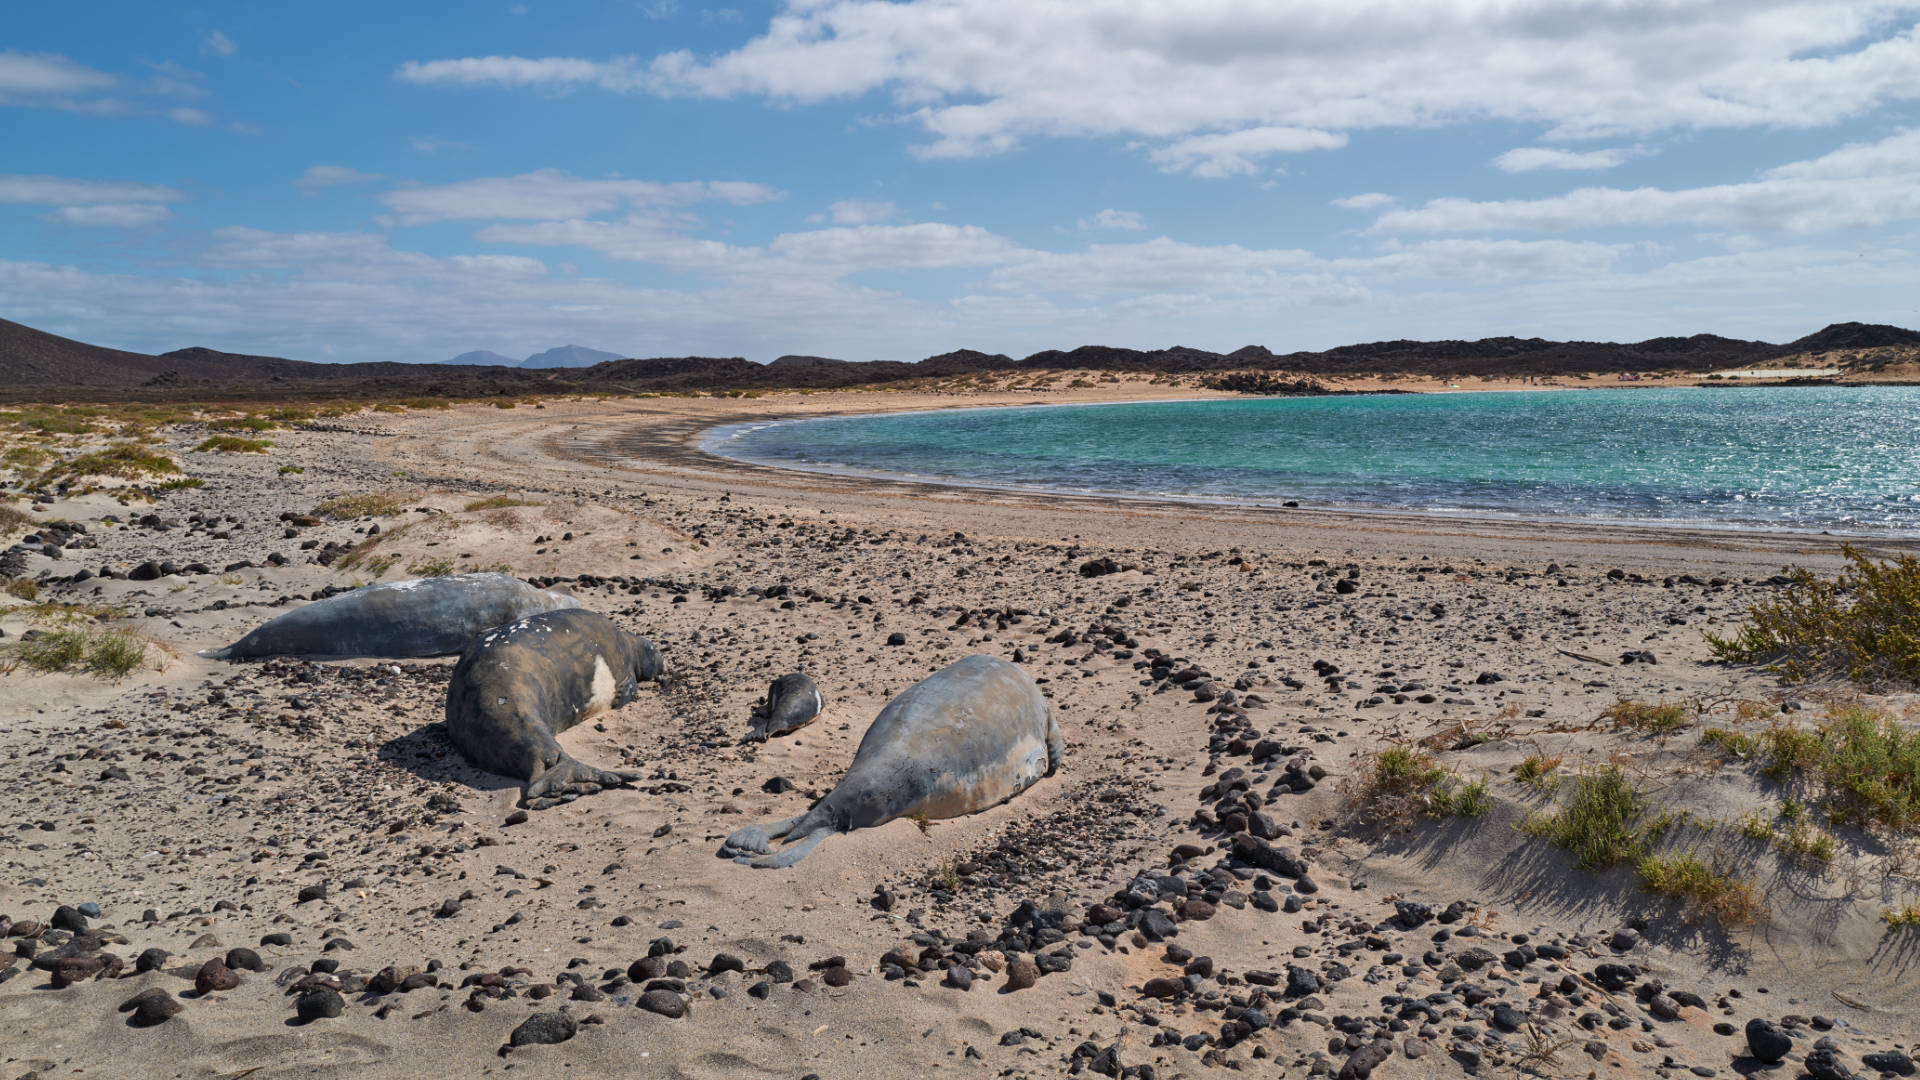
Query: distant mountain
[
  {"x": 568, "y": 356},
  {"x": 1853, "y": 335},
  {"x": 482, "y": 358},
  {"x": 35, "y": 364}
]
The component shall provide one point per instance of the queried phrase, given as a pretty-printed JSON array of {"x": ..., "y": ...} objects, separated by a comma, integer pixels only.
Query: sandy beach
[{"x": 1223, "y": 652}]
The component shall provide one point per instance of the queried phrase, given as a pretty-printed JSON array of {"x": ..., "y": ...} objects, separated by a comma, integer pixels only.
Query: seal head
[{"x": 793, "y": 702}]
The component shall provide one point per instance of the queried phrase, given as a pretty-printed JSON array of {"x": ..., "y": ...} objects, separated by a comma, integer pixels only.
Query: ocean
[{"x": 1819, "y": 458}]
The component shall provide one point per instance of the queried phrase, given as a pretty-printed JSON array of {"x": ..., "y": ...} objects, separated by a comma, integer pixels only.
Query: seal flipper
[
  {"x": 568, "y": 776},
  {"x": 796, "y": 851}
]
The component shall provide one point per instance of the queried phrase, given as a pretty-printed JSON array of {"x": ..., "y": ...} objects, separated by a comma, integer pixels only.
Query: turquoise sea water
[{"x": 1843, "y": 459}]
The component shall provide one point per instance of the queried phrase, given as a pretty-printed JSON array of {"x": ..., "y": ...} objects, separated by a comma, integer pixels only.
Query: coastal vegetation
[
  {"x": 232, "y": 444},
  {"x": 1399, "y": 784},
  {"x": 372, "y": 504},
  {"x": 104, "y": 653},
  {"x": 1863, "y": 625}
]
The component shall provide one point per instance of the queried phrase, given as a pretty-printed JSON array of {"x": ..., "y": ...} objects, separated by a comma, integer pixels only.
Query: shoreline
[{"x": 704, "y": 442}]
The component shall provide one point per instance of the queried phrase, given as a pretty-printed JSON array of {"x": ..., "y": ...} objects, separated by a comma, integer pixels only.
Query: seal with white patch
[
  {"x": 435, "y": 616},
  {"x": 793, "y": 702},
  {"x": 971, "y": 735},
  {"x": 519, "y": 685}
]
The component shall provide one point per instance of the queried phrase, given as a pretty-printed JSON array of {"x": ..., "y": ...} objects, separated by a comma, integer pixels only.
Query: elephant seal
[
  {"x": 793, "y": 702},
  {"x": 435, "y": 616},
  {"x": 971, "y": 735},
  {"x": 517, "y": 686}
]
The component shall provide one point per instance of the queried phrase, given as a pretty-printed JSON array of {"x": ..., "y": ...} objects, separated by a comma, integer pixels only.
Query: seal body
[
  {"x": 419, "y": 617},
  {"x": 793, "y": 702},
  {"x": 971, "y": 735},
  {"x": 519, "y": 685}
]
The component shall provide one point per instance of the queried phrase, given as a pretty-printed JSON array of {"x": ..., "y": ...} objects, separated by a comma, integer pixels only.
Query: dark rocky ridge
[{"x": 33, "y": 362}]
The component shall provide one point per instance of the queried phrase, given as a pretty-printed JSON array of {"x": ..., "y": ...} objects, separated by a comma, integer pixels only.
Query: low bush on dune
[
  {"x": 1706, "y": 890},
  {"x": 128, "y": 461},
  {"x": 1863, "y": 625},
  {"x": 1401, "y": 784},
  {"x": 497, "y": 502},
  {"x": 48, "y": 421},
  {"x": 13, "y": 520},
  {"x": 359, "y": 506},
  {"x": 1865, "y": 763},
  {"x": 1602, "y": 821},
  {"x": 1661, "y": 719},
  {"x": 254, "y": 424},
  {"x": 233, "y": 444},
  {"x": 107, "y": 654}
]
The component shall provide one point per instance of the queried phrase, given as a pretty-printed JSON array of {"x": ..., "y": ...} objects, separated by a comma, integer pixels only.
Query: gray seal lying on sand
[
  {"x": 519, "y": 685},
  {"x": 419, "y": 617},
  {"x": 971, "y": 735},
  {"x": 793, "y": 702}
]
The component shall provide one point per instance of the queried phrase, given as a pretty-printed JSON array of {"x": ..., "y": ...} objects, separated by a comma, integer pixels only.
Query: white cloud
[
  {"x": 1857, "y": 186},
  {"x": 980, "y": 75},
  {"x": 217, "y": 43},
  {"x": 1113, "y": 219},
  {"x": 554, "y": 73},
  {"x": 857, "y": 212},
  {"x": 1372, "y": 200},
  {"x": 431, "y": 144},
  {"x": 321, "y": 176},
  {"x": 551, "y": 195},
  {"x": 1531, "y": 158},
  {"x": 59, "y": 191},
  {"x": 48, "y": 74},
  {"x": 1235, "y": 153},
  {"x": 190, "y": 117},
  {"x": 122, "y": 215},
  {"x": 927, "y": 246},
  {"x": 353, "y": 296}
]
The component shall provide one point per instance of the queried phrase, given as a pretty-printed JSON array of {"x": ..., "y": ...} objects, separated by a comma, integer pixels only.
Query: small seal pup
[
  {"x": 971, "y": 735},
  {"x": 793, "y": 702},
  {"x": 517, "y": 686},
  {"x": 418, "y": 617}
]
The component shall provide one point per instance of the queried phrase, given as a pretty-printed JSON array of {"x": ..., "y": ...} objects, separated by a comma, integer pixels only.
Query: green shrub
[
  {"x": 254, "y": 424},
  {"x": 496, "y": 502},
  {"x": 1600, "y": 822},
  {"x": 1654, "y": 719},
  {"x": 129, "y": 461},
  {"x": 426, "y": 566},
  {"x": 53, "y": 650},
  {"x": 1864, "y": 625},
  {"x": 1400, "y": 783},
  {"x": 113, "y": 654},
  {"x": 13, "y": 520},
  {"x": 1737, "y": 743},
  {"x": 1708, "y": 891},
  {"x": 232, "y": 444},
  {"x": 359, "y": 506}
]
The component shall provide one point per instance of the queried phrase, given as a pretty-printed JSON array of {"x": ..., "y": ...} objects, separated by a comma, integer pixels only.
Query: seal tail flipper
[
  {"x": 797, "y": 851},
  {"x": 758, "y": 839},
  {"x": 570, "y": 777},
  {"x": 1056, "y": 744},
  {"x": 223, "y": 653}
]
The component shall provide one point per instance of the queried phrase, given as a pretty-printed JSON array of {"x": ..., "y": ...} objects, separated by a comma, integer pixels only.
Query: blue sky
[{"x": 887, "y": 180}]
